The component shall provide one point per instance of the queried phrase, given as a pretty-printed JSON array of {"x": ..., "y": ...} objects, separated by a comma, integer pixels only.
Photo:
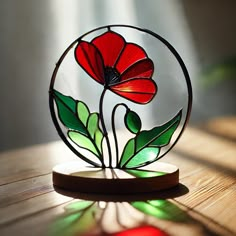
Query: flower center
[{"x": 112, "y": 76}]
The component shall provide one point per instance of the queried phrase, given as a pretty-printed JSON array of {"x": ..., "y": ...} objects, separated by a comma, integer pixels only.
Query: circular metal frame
[{"x": 164, "y": 41}]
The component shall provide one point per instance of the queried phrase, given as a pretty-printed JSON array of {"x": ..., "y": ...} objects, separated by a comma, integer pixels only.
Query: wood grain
[
  {"x": 222, "y": 126},
  {"x": 25, "y": 189},
  {"x": 29, "y": 207},
  {"x": 33, "y": 161}
]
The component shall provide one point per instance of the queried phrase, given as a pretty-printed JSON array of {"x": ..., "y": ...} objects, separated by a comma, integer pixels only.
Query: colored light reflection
[{"x": 142, "y": 231}]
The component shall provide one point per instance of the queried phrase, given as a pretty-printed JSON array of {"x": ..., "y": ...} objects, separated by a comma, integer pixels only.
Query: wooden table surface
[{"x": 204, "y": 204}]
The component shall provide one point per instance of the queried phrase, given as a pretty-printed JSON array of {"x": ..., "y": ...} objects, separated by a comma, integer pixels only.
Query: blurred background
[{"x": 35, "y": 33}]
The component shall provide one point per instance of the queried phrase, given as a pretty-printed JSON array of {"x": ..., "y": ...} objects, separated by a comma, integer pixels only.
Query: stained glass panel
[{"x": 124, "y": 65}]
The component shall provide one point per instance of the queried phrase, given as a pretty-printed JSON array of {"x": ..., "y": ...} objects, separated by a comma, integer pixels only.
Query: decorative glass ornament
[{"x": 120, "y": 98}]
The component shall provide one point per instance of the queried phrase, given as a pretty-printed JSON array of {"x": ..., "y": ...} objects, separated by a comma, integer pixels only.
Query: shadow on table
[
  {"x": 174, "y": 192},
  {"x": 122, "y": 215}
]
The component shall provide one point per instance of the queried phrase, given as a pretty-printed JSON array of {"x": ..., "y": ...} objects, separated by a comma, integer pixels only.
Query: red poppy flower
[{"x": 124, "y": 68}]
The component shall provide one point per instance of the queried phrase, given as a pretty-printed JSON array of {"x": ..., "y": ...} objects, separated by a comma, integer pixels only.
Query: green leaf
[
  {"x": 145, "y": 147},
  {"x": 83, "y": 142},
  {"x": 129, "y": 151},
  {"x": 142, "y": 156},
  {"x": 161, "y": 209},
  {"x": 93, "y": 124},
  {"x": 67, "y": 112},
  {"x": 83, "y": 112},
  {"x": 144, "y": 173},
  {"x": 98, "y": 139},
  {"x": 132, "y": 122},
  {"x": 92, "y": 141},
  {"x": 83, "y": 126},
  {"x": 159, "y": 136}
]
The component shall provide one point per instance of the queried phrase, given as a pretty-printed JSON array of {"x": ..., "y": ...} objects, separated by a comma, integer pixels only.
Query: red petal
[
  {"x": 140, "y": 90},
  {"x": 131, "y": 54},
  {"x": 90, "y": 60},
  {"x": 110, "y": 44},
  {"x": 140, "y": 69}
]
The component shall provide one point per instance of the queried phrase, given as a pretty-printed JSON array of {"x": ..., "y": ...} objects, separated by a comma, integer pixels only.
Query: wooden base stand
[{"x": 72, "y": 177}]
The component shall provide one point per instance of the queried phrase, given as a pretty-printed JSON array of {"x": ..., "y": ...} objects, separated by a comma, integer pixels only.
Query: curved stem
[
  {"x": 104, "y": 126},
  {"x": 114, "y": 129}
]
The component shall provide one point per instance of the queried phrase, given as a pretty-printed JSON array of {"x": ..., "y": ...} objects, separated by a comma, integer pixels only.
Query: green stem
[
  {"x": 104, "y": 127},
  {"x": 114, "y": 129}
]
